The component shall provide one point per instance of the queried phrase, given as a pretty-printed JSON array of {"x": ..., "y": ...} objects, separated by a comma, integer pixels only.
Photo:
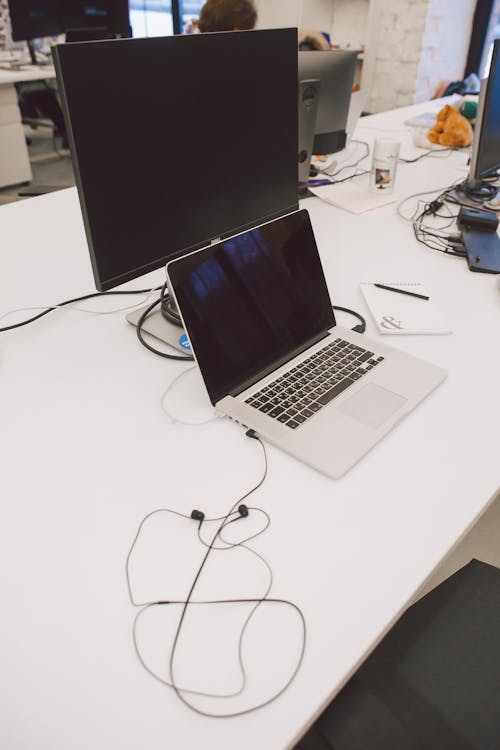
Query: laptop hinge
[{"x": 276, "y": 364}]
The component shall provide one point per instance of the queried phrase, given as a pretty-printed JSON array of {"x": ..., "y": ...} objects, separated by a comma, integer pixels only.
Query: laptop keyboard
[{"x": 300, "y": 393}]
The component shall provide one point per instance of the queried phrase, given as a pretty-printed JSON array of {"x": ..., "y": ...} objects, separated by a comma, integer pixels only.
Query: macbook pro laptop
[{"x": 260, "y": 322}]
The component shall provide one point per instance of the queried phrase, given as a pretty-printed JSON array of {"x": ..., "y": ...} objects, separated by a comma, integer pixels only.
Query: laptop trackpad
[{"x": 372, "y": 405}]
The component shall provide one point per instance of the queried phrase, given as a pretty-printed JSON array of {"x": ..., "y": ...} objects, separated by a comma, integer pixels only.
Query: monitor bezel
[
  {"x": 105, "y": 284},
  {"x": 476, "y": 174}
]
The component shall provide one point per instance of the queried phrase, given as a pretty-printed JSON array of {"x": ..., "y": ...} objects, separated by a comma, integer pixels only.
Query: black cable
[
  {"x": 427, "y": 153},
  {"x": 357, "y": 174},
  {"x": 484, "y": 191},
  {"x": 421, "y": 235},
  {"x": 168, "y": 309},
  {"x": 361, "y": 326},
  {"x": 140, "y": 322},
  {"x": 76, "y": 299},
  {"x": 138, "y": 330}
]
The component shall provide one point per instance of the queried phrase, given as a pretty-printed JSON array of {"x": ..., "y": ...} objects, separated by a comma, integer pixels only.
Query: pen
[{"x": 401, "y": 291}]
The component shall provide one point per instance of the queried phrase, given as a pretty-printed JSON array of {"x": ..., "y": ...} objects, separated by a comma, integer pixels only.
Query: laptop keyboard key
[
  {"x": 363, "y": 357},
  {"x": 266, "y": 408},
  {"x": 338, "y": 388},
  {"x": 276, "y": 412}
]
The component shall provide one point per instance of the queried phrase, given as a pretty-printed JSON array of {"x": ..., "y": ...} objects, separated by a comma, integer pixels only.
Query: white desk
[
  {"x": 14, "y": 162},
  {"x": 87, "y": 452}
]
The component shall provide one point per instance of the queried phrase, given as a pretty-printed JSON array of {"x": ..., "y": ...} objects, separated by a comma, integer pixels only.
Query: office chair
[{"x": 433, "y": 682}]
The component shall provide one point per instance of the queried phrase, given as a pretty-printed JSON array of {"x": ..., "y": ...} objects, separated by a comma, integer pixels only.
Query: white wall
[
  {"x": 412, "y": 46},
  {"x": 277, "y": 13},
  {"x": 445, "y": 44},
  {"x": 350, "y": 23},
  {"x": 3, "y": 22},
  {"x": 305, "y": 14},
  {"x": 394, "y": 50}
]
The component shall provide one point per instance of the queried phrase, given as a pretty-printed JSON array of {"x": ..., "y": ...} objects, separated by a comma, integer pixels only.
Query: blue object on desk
[{"x": 317, "y": 183}]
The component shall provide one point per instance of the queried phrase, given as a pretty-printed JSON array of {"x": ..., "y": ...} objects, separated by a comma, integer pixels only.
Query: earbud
[
  {"x": 243, "y": 511},
  {"x": 197, "y": 515}
]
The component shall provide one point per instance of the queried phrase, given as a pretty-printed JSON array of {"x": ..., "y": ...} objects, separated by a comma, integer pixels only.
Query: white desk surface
[
  {"x": 27, "y": 73},
  {"x": 87, "y": 452}
]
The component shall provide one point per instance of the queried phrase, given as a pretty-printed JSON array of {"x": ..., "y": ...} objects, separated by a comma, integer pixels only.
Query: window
[
  {"x": 162, "y": 17},
  {"x": 492, "y": 33}
]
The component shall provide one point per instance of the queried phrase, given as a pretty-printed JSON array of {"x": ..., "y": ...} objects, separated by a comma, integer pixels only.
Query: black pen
[{"x": 401, "y": 291}]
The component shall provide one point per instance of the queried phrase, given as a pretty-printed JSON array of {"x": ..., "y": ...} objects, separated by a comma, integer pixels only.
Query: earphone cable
[{"x": 212, "y": 546}]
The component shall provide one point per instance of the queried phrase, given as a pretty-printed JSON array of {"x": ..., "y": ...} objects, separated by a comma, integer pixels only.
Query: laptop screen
[{"x": 252, "y": 302}]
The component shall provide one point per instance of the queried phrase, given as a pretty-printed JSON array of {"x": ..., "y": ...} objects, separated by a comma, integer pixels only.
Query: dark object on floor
[
  {"x": 32, "y": 190},
  {"x": 434, "y": 681}
]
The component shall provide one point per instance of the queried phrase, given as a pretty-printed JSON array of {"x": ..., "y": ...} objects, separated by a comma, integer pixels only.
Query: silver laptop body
[{"x": 258, "y": 315}]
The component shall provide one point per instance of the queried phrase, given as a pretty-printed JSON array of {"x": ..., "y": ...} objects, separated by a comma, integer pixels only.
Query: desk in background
[
  {"x": 87, "y": 452},
  {"x": 14, "y": 161}
]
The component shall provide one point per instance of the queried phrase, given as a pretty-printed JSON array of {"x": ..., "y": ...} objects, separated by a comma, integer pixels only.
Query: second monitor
[{"x": 326, "y": 80}]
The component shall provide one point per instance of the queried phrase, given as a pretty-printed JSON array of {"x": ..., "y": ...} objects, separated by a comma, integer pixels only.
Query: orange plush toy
[{"x": 451, "y": 128}]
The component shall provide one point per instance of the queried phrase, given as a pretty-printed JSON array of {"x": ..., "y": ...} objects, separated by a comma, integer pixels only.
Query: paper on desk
[
  {"x": 396, "y": 313},
  {"x": 354, "y": 196}
]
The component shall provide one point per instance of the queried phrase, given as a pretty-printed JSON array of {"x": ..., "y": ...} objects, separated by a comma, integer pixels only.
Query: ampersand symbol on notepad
[{"x": 389, "y": 322}]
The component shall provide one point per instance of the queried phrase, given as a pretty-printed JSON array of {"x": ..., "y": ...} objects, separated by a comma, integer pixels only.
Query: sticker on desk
[{"x": 184, "y": 342}]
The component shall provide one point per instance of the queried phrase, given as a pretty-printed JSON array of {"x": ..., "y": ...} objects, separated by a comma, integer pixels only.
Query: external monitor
[
  {"x": 485, "y": 157},
  {"x": 335, "y": 70},
  {"x": 178, "y": 140},
  {"x": 32, "y": 19}
]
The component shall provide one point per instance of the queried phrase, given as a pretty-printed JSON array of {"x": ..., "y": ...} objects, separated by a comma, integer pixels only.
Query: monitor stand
[
  {"x": 304, "y": 191},
  {"x": 31, "y": 48},
  {"x": 309, "y": 91},
  {"x": 157, "y": 325}
]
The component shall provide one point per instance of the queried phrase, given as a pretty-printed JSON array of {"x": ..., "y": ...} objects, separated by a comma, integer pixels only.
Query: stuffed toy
[{"x": 451, "y": 128}]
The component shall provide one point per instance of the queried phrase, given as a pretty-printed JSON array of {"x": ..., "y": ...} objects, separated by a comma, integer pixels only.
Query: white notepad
[{"x": 396, "y": 313}]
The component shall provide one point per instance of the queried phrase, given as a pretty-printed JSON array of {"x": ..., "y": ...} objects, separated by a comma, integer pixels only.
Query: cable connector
[
  {"x": 434, "y": 206},
  {"x": 455, "y": 239}
]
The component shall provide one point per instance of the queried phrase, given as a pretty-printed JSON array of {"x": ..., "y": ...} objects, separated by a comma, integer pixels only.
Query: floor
[
  {"x": 482, "y": 543},
  {"x": 50, "y": 164},
  {"x": 52, "y": 169}
]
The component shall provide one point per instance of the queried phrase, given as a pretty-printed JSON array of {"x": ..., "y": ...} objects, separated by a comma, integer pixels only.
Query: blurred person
[
  {"x": 241, "y": 15},
  {"x": 227, "y": 15}
]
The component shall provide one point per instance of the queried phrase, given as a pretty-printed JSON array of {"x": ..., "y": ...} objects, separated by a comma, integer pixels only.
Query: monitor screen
[
  {"x": 32, "y": 19},
  {"x": 178, "y": 140},
  {"x": 485, "y": 157},
  {"x": 335, "y": 70}
]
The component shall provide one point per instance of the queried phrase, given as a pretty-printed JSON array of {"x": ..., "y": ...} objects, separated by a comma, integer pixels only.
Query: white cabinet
[{"x": 14, "y": 163}]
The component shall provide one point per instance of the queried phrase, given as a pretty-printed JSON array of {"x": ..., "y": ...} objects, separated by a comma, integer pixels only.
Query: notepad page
[{"x": 396, "y": 313}]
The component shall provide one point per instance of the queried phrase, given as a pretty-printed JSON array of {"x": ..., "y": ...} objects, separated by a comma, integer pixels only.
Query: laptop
[{"x": 258, "y": 315}]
